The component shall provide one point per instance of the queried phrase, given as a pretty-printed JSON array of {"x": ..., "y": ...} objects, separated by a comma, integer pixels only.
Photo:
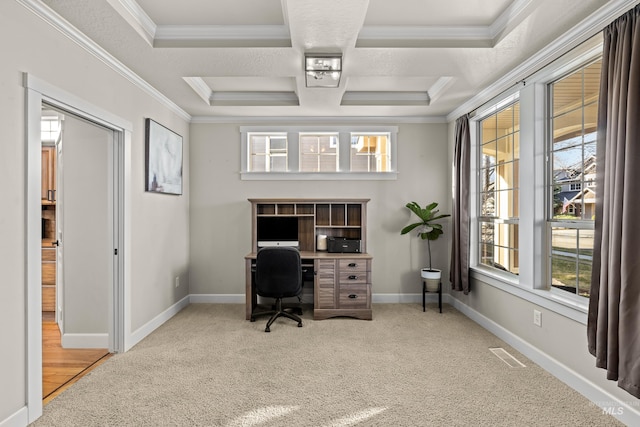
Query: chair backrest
[{"x": 278, "y": 272}]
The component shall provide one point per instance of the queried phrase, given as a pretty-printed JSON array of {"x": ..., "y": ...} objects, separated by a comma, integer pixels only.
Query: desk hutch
[{"x": 341, "y": 281}]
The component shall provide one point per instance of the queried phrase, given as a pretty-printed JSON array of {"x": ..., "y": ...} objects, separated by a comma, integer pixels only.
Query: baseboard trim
[
  {"x": 20, "y": 418},
  {"x": 409, "y": 298},
  {"x": 217, "y": 298},
  {"x": 69, "y": 340},
  {"x": 600, "y": 397},
  {"x": 375, "y": 298},
  {"x": 139, "y": 334}
]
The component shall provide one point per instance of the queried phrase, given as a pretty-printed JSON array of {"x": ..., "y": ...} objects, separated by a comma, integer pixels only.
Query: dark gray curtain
[
  {"x": 614, "y": 306},
  {"x": 459, "y": 271}
]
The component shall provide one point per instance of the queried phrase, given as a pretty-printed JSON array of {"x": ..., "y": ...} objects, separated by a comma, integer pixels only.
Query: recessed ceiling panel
[
  {"x": 434, "y": 12},
  {"x": 218, "y": 12},
  {"x": 250, "y": 84},
  {"x": 387, "y": 83}
]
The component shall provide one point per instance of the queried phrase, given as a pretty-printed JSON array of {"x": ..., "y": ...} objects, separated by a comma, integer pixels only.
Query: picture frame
[{"x": 163, "y": 159}]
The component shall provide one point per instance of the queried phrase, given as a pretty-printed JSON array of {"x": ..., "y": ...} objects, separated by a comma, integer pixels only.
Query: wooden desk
[{"x": 341, "y": 284}]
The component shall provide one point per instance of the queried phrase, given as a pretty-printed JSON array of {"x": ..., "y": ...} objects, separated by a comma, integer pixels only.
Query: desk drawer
[
  {"x": 355, "y": 266},
  {"x": 354, "y": 296},
  {"x": 353, "y": 277}
]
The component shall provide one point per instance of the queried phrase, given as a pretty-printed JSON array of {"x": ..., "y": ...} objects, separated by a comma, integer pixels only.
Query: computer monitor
[{"x": 277, "y": 231}]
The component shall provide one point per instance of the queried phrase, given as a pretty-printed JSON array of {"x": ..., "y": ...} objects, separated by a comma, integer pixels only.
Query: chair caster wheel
[
  {"x": 267, "y": 330},
  {"x": 300, "y": 325}
]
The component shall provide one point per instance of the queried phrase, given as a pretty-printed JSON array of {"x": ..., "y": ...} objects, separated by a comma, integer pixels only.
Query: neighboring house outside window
[
  {"x": 498, "y": 166},
  {"x": 572, "y": 189}
]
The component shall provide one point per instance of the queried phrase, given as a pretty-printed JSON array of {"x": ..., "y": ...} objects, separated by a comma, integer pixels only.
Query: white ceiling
[{"x": 244, "y": 58}]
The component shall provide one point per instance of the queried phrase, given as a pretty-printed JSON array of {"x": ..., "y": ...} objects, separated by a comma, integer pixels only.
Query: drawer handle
[
  {"x": 353, "y": 296},
  {"x": 353, "y": 264},
  {"x": 353, "y": 277}
]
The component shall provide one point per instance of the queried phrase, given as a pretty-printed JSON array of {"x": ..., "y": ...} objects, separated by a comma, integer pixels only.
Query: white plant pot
[{"x": 431, "y": 278}]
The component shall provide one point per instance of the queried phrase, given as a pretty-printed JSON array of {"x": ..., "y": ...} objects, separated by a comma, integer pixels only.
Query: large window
[
  {"x": 571, "y": 187},
  {"x": 498, "y": 166}
]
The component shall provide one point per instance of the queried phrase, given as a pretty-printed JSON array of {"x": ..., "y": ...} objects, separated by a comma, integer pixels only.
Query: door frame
[{"x": 39, "y": 92}]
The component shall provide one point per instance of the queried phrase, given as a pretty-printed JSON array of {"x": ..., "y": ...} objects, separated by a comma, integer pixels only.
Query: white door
[
  {"x": 85, "y": 233},
  {"x": 58, "y": 230}
]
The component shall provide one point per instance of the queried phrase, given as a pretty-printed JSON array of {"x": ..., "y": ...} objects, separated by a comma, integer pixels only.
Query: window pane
[
  {"x": 571, "y": 258},
  {"x": 257, "y": 163},
  {"x": 487, "y": 179},
  {"x": 278, "y": 163},
  {"x": 489, "y": 154},
  {"x": 572, "y": 189},
  {"x": 505, "y": 148},
  {"x": 370, "y": 152},
  {"x": 488, "y": 203},
  {"x": 263, "y": 148},
  {"x": 318, "y": 153},
  {"x": 489, "y": 129},
  {"x": 498, "y": 189},
  {"x": 566, "y": 127}
]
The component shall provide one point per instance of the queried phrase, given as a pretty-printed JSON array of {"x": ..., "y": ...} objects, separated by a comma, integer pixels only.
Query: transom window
[
  {"x": 322, "y": 152},
  {"x": 498, "y": 166},
  {"x": 571, "y": 188}
]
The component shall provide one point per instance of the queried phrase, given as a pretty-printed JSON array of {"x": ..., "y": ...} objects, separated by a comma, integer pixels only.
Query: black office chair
[{"x": 278, "y": 275}]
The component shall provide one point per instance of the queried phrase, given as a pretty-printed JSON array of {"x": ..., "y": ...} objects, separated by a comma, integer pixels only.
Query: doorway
[
  {"x": 76, "y": 229},
  {"x": 40, "y": 94}
]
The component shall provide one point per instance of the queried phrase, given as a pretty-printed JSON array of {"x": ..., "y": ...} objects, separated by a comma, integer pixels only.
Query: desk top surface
[{"x": 320, "y": 255}]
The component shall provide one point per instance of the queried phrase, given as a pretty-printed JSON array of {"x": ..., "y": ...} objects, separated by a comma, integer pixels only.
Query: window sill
[
  {"x": 316, "y": 176},
  {"x": 568, "y": 306}
]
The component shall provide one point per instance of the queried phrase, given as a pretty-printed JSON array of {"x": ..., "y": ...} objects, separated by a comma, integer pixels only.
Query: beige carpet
[{"x": 209, "y": 367}]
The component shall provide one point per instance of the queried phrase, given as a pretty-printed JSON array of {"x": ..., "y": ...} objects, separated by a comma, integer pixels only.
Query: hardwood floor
[{"x": 62, "y": 367}]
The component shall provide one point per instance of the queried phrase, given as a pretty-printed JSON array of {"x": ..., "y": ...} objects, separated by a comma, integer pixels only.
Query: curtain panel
[
  {"x": 459, "y": 270},
  {"x": 613, "y": 327}
]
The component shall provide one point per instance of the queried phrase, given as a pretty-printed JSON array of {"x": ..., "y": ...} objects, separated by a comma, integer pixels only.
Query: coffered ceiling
[{"x": 243, "y": 59}]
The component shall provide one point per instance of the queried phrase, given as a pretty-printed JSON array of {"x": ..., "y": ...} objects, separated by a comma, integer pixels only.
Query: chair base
[{"x": 278, "y": 311}]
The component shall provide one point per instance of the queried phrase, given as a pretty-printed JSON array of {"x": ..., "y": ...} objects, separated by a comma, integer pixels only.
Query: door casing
[{"x": 39, "y": 93}]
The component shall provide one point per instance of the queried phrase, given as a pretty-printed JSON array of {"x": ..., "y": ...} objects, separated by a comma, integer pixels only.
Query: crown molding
[
  {"x": 445, "y": 36},
  {"x": 578, "y": 34},
  {"x": 424, "y": 36},
  {"x": 258, "y": 98},
  {"x": 131, "y": 11},
  {"x": 56, "y": 21},
  {"x": 200, "y": 87},
  {"x": 222, "y": 36},
  {"x": 385, "y": 98}
]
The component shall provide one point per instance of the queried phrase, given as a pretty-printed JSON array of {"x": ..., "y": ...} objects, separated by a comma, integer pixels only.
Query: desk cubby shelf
[
  {"x": 331, "y": 217},
  {"x": 342, "y": 281}
]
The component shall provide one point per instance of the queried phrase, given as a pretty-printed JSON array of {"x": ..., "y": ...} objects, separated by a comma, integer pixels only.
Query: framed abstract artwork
[{"x": 163, "y": 165}]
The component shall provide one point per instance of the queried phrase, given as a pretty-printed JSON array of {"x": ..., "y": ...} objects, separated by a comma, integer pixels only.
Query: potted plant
[{"x": 428, "y": 229}]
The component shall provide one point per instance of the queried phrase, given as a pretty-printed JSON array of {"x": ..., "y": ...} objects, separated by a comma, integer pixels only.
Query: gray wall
[
  {"x": 159, "y": 224},
  {"x": 220, "y": 213}
]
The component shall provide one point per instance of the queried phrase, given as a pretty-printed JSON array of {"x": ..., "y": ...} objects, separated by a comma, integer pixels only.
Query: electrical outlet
[
  {"x": 537, "y": 318},
  {"x": 177, "y": 281}
]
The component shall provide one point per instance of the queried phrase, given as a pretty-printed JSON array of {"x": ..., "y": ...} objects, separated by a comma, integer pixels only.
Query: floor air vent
[{"x": 507, "y": 358}]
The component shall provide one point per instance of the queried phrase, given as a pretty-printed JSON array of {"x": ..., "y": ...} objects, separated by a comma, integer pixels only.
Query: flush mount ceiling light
[{"x": 322, "y": 69}]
